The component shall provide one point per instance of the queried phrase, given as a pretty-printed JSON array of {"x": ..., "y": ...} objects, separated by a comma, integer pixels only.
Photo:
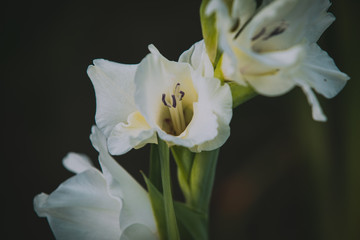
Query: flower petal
[
  {"x": 135, "y": 134},
  {"x": 317, "y": 112},
  {"x": 136, "y": 203},
  {"x": 114, "y": 89},
  {"x": 81, "y": 208},
  {"x": 138, "y": 232},
  {"x": 321, "y": 73},
  {"x": 197, "y": 57},
  {"x": 209, "y": 127},
  {"x": 77, "y": 163}
]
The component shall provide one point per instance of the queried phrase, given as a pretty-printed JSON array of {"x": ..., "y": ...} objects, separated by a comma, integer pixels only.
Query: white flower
[
  {"x": 181, "y": 101},
  {"x": 116, "y": 113},
  {"x": 273, "y": 47},
  {"x": 94, "y": 205}
]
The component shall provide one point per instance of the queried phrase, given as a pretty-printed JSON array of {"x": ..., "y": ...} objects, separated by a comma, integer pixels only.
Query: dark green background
[{"x": 281, "y": 175}]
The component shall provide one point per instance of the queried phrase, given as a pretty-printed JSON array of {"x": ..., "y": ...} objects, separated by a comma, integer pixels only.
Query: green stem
[
  {"x": 154, "y": 172},
  {"x": 172, "y": 229}
]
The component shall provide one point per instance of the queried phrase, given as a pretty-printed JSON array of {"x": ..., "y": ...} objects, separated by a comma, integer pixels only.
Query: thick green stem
[
  {"x": 172, "y": 229},
  {"x": 154, "y": 172}
]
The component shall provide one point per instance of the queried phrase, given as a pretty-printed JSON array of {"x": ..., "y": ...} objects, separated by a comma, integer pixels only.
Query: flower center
[{"x": 174, "y": 103}]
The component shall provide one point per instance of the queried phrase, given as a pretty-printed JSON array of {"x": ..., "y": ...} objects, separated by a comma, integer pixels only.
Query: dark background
[{"x": 281, "y": 175}]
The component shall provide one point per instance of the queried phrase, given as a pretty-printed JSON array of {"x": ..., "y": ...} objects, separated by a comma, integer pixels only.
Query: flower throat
[{"x": 174, "y": 103}]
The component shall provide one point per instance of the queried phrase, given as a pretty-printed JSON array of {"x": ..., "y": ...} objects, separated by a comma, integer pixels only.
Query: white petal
[
  {"x": 271, "y": 85},
  {"x": 134, "y": 134},
  {"x": 81, "y": 209},
  {"x": 321, "y": 73},
  {"x": 317, "y": 112},
  {"x": 138, "y": 232},
  {"x": 114, "y": 89},
  {"x": 197, "y": 57},
  {"x": 136, "y": 203},
  {"x": 215, "y": 102},
  {"x": 77, "y": 163}
]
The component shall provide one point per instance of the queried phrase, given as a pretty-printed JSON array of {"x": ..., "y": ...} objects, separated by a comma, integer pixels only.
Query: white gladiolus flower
[
  {"x": 93, "y": 205},
  {"x": 273, "y": 47},
  {"x": 181, "y": 101}
]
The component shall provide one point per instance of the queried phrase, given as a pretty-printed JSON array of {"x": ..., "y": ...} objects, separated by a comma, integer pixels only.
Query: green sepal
[
  {"x": 240, "y": 93},
  {"x": 202, "y": 179},
  {"x": 210, "y": 33},
  {"x": 184, "y": 161}
]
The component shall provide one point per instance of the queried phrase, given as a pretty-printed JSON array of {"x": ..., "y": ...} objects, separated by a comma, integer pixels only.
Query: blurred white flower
[
  {"x": 273, "y": 47},
  {"x": 181, "y": 101},
  {"x": 93, "y": 205}
]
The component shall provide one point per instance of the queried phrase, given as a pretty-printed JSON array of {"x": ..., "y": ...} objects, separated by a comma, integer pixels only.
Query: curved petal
[
  {"x": 321, "y": 73},
  {"x": 317, "y": 112},
  {"x": 138, "y": 232},
  {"x": 114, "y": 89},
  {"x": 77, "y": 163},
  {"x": 81, "y": 208},
  {"x": 197, "y": 57},
  {"x": 136, "y": 204},
  {"x": 215, "y": 101},
  {"x": 135, "y": 134}
]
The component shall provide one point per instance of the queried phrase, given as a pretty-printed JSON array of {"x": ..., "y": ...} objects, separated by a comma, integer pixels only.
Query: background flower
[{"x": 273, "y": 47}]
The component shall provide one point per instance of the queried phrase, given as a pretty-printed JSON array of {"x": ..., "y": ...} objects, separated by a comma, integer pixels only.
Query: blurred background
[{"x": 281, "y": 175}]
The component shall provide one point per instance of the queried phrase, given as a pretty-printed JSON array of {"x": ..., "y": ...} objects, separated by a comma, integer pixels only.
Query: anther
[
  {"x": 164, "y": 101},
  {"x": 173, "y": 101},
  {"x": 277, "y": 31},
  {"x": 257, "y": 36},
  {"x": 182, "y": 95}
]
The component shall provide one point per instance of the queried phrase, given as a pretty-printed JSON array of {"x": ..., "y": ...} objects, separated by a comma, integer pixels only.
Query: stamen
[
  {"x": 182, "y": 95},
  {"x": 278, "y": 30},
  {"x": 164, "y": 101},
  {"x": 257, "y": 36},
  {"x": 173, "y": 101}
]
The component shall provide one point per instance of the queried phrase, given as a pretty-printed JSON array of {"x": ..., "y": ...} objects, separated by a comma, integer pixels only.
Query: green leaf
[
  {"x": 172, "y": 229},
  {"x": 184, "y": 160},
  {"x": 202, "y": 179},
  {"x": 157, "y": 203},
  {"x": 209, "y": 31},
  {"x": 193, "y": 223}
]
